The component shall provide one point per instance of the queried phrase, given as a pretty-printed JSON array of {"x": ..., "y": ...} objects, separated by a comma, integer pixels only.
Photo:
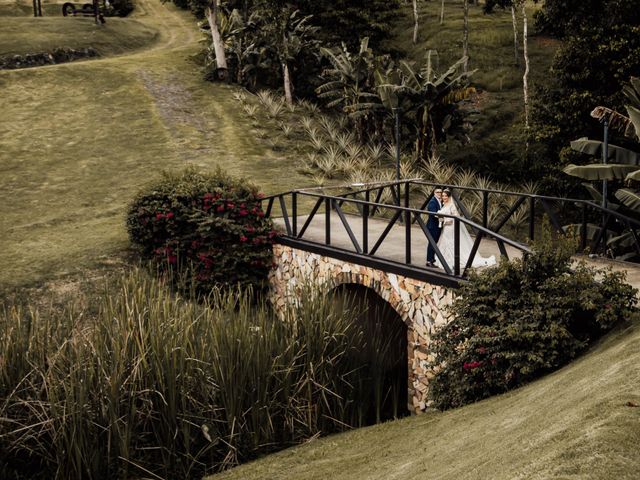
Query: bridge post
[
  {"x": 407, "y": 225},
  {"x": 365, "y": 226},
  {"x": 456, "y": 246},
  {"x": 327, "y": 221},
  {"x": 294, "y": 213},
  {"x": 485, "y": 209},
  {"x": 532, "y": 217}
]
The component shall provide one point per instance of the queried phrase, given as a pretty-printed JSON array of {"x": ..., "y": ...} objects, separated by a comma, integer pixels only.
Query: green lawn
[
  {"x": 572, "y": 424},
  {"x": 80, "y": 139}
]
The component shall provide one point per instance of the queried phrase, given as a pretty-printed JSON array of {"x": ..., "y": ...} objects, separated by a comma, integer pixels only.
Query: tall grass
[{"x": 162, "y": 387}]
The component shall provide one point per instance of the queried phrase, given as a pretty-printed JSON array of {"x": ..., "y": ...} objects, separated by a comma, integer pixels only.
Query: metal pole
[
  {"x": 396, "y": 112},
  {"x": 605, "y": 157}
]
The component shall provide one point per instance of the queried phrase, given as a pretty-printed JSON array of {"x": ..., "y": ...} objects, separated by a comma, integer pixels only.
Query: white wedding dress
[{"x": 446, "y": 242}]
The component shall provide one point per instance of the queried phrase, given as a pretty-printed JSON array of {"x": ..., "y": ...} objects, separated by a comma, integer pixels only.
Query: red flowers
[
  {"x": 243, "y": 213},
  {"x": 220, "y": 208},
  {"x": 471, "y": 365},
  {"x": 168, "y": 216},
  {"x": 243, "y": 238}
]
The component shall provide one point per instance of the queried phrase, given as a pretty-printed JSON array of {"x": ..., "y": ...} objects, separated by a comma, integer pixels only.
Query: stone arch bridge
[{"x": 375, "y": 236}]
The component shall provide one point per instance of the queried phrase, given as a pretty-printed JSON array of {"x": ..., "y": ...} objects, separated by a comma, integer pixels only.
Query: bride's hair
[{"x": 447, "y": 191}]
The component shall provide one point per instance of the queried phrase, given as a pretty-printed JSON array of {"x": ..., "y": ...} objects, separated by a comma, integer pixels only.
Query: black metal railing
[{"x": 403, "y": 204}]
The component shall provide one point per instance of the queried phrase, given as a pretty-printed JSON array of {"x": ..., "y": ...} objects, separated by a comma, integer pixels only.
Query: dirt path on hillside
[{"x": 177, "y": 28}]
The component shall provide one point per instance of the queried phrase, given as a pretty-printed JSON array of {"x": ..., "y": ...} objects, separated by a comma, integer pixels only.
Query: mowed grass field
[{"x": 80, "y": 139}]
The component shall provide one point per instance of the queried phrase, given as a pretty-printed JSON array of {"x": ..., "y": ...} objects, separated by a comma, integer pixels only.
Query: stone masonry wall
[{"x": 421, "y": 305}]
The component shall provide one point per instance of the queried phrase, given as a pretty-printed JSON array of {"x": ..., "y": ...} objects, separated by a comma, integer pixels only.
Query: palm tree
[
  {"x": 465, "y": 35},
  {"x": 415, "y": 21},
  {"x": 525, "y": 76},
  {"x": 212, "y": 14},
  {"x": 295, "y": 36}
]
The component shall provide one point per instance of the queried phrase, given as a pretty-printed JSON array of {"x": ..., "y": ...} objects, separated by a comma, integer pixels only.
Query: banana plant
[
  {"x": 431, "y": 100},
  {"x": 625, "y": 166},
  {"x": 349, "y": 83},
  {"x": 626, "y": 161}
]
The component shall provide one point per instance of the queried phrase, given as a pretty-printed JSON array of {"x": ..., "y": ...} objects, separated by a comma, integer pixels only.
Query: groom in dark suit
[{"x": 433, "y": 224}]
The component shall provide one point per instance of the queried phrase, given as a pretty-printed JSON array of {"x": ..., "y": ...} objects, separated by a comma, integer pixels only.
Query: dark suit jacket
[{"x": 432, "y": 223}]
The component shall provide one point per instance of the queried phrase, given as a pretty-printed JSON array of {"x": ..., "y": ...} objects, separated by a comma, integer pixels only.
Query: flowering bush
[
  {"x": 521, "y": 319},
  {"x": 209, "y": 226}
]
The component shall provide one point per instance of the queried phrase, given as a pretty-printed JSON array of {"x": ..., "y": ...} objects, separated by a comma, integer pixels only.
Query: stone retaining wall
[
  {"x": 58, "y": 55},
  {"x": 422, "y": 306}
]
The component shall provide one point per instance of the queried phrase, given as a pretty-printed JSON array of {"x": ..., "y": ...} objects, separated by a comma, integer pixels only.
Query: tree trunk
[
  {"x": 465, "y": 36},
  {"x": 415, "y": 21},
  {"x": 514, "y": 20},
  {"x": 288, "y": 95},
  {"x": 525, "y": 78},
  {"x": 216, "y": 38},
  {"x": 442, "y": 13}
]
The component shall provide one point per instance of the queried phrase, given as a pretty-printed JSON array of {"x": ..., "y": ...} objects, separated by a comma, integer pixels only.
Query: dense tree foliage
[
  {"x": 276, "y": 42},
  {"x": 599, "y": 53},
  {"x": 567, "y": 17},
  {"x": 349, "y": 20}
]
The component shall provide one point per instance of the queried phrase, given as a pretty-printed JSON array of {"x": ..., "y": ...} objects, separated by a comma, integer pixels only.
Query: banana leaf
[
  {"x": 628, "y": 257},
  {"x": 634, "y": 115},
  {"x": 600, "y": 171},
  {"x": 597, "y": 196},
  {"x": 594, "y": 192},
  {"x": 629, "y": 198},
  {"x": 625, "y": 240},
  {"x": 617, "y": 154}
]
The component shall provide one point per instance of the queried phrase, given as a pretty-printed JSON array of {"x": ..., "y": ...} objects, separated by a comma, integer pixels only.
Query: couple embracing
[{"x": 441, "y": 229}]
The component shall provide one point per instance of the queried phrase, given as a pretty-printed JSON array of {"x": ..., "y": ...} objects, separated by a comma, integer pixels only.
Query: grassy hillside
[
  {"x": 79, "y": 139},
  {"x": 580, "y": 422},
  {"x": 497, "y": 140}
]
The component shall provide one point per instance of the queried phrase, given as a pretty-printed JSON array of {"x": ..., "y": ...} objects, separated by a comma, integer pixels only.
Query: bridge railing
[
  {"x": 363, "y": 244},
  {"x": 590, "y": 221}
]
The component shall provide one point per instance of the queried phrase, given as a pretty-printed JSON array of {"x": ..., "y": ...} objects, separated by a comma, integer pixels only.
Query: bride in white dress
[{"x": 447, "y": 238}]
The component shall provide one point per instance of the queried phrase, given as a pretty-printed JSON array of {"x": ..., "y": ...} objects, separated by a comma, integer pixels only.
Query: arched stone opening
[{"x": 385, "y": 352}]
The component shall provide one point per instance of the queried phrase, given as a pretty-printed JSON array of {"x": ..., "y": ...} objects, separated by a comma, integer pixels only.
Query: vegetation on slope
[
  {"x": 579, "y": 422},
  {"x": 497, "y": 139}
]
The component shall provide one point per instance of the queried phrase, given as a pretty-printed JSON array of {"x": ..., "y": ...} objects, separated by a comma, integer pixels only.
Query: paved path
[{"x": 393, "y": 247}]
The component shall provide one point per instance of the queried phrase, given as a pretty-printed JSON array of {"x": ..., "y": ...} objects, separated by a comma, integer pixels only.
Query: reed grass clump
[{"x": 161, "y": 386}]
